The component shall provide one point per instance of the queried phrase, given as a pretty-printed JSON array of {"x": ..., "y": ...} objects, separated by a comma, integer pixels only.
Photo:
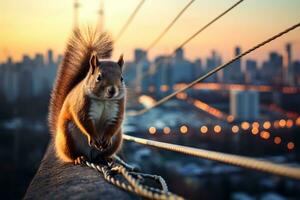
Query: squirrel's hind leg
[{"x": 63, "y": 143}]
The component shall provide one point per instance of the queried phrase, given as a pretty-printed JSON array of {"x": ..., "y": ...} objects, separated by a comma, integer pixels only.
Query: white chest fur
[{"x": 104, "y": 111}]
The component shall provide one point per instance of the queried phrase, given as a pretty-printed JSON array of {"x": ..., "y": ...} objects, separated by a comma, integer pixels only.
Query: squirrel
[{"x": 88, "y": 99}]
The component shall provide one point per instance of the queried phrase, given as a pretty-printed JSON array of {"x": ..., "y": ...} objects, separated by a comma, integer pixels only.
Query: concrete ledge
[{"x": 56, "y": 180}]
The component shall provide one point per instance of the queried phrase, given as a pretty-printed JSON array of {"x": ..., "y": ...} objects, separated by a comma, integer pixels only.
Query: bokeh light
[
  {"x": 166, "y": 130},
  {"x": 184, "y": 129},
  {"x": 203, "y": 129},
  {"x": 152, "y": 130},
  {"x": 217, "y": 129}
]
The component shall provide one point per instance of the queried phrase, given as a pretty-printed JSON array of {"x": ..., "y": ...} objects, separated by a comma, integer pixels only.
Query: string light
[
  {"x": 290, "y": 145},
  {"x": 282, "y": 123},
  {"x": 235, "y": 129},
  {"x": 230, "y": 118},
  {"x": 267, "y": 125},
  {"x": 245, "y": 125},
  {"x": 217, "y": 129},
  {"x": 164, "y": 88},
  {"x": 255, "y": 125},
  {"x": 276, "y": 124},
  {"x": 277, "y": 140},
  {"x": 203, "y": 129},
  {"x": 265, "y": 135},
  {"x": 289, "y": 123},
  {"x": 298, "y": 121},
  {"x": 183, "y": 129},
  {"x": 152, "y": 130},
  {"x": 255, "y": 131},
  {"x": 166, "y": 130}
]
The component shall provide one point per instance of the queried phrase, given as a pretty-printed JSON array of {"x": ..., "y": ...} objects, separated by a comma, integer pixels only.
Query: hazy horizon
[{"x": 34, "y": 26}]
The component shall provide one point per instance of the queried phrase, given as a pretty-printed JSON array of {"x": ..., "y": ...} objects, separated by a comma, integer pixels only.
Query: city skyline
[{"x": 51, "y": 24}]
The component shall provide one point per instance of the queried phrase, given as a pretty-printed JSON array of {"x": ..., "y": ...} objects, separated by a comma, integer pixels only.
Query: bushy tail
[{"x": 75, "y": 66}]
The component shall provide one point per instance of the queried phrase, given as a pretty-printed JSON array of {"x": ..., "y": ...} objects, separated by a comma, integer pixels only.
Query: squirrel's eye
[
  {"x": 99, "y": 78},
  {"x": 122, "y": 79}
]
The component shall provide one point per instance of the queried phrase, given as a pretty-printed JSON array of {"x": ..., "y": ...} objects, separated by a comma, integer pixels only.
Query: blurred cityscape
[{"x": 247, "y": 109}]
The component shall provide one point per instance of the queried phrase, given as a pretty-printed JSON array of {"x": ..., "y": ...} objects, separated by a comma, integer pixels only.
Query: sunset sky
[{"x": 30, "y": 26}]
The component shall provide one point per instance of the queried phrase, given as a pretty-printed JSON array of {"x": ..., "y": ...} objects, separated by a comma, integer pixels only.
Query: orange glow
[
  {"x": 267, "y": 125},
  {"x": 298, "y": 121},
  {"x": 147, "y": 101},
  {"x": 166, "y": 130},
  {"x": 290, "y": 145},
  {"x": 217, "y": 86},
  {"x": 277, "y": 140},
  {"x": 235, "y": 129},
  {"x": 245, "y": 125},
  {"x": 164, "y": 88},
  {"x": 255, "y": 125},
  {"x": 282, "y": 123},
  {"x": 203, "y": 129},
  {"x": 230, "y": 118},
  {"x": 276, "y": 124},
  {"x": 152, "y": 130},
  {"x": 255, "y": 131},
  {"x": 209, "y": 109},
  {"x": 184, "y": 129},
  {"x": 217, "y": 129},
  {"x": 182, "y": 95},
  {"x": 265, "y": 135},
  {"x": 289, "y": 123}
]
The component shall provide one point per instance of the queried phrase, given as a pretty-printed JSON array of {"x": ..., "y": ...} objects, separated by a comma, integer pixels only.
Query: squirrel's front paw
[{"x": 79, "y": 160}]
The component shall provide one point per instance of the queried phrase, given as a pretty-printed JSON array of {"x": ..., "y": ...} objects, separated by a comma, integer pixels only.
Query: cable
[
  {"x": 129, "y": 20},
  {"x": 139, "y": 64},
  {"x": 207, "y": 25},
  {"x": 195, "y": 34},
  {"x": 240, "y": 161},
  {"x": 213, "y": 71},
  {"x": 169, "y": 26}
]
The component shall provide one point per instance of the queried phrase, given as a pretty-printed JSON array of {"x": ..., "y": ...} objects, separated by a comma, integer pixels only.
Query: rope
[
  {"x": 123, "y": 29},
  {"x": 213, "y": 71},
  {"x": 240, "y": 161},
  {"x": 132, "y": 180},
  {"x": 169, "y": 26}
]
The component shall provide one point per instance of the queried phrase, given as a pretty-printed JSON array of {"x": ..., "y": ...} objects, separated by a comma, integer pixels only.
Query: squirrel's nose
[{"x": 111, "y": 91}]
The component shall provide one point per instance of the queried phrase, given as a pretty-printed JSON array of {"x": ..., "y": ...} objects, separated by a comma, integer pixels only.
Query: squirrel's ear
[
  {"x": 94, "y": 62},
  {"x": 121, "y": 61}
]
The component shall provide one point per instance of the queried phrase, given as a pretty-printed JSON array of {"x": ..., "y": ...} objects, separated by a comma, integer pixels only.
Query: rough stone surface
[{"x": 57, "y": 180}]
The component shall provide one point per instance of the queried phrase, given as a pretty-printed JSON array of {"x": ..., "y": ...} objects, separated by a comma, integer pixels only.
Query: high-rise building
[
  {"x": 39, "y": 60},
  {"x": 50, "y": 57},
  {"x": 179, "y": 54},
  {"x": 182, "y": 69},
  {"x": 142, "y": 68},
  {"x": 272, "y": 69},
  {"x": 244, "y": 105},
  {"x": 296, "y": 66},
  {"x": 251, "y": 70},
  {"x": 139, "y": 54},
  {"x": 211, "y": 63},
  {"x": 233, "y": 73},
  {"x": 289, "y": 72}
]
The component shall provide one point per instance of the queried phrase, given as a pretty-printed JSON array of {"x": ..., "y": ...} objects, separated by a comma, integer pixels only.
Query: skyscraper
[
  {"x": 50, "y": 57},
  {"x": 244, "y": 105},
  {"x": 139, "y": 55},
  {"x": 233, "y": 73},
  {"x": 289, "y": 72},
  {"x": 179, "y": 54}
]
